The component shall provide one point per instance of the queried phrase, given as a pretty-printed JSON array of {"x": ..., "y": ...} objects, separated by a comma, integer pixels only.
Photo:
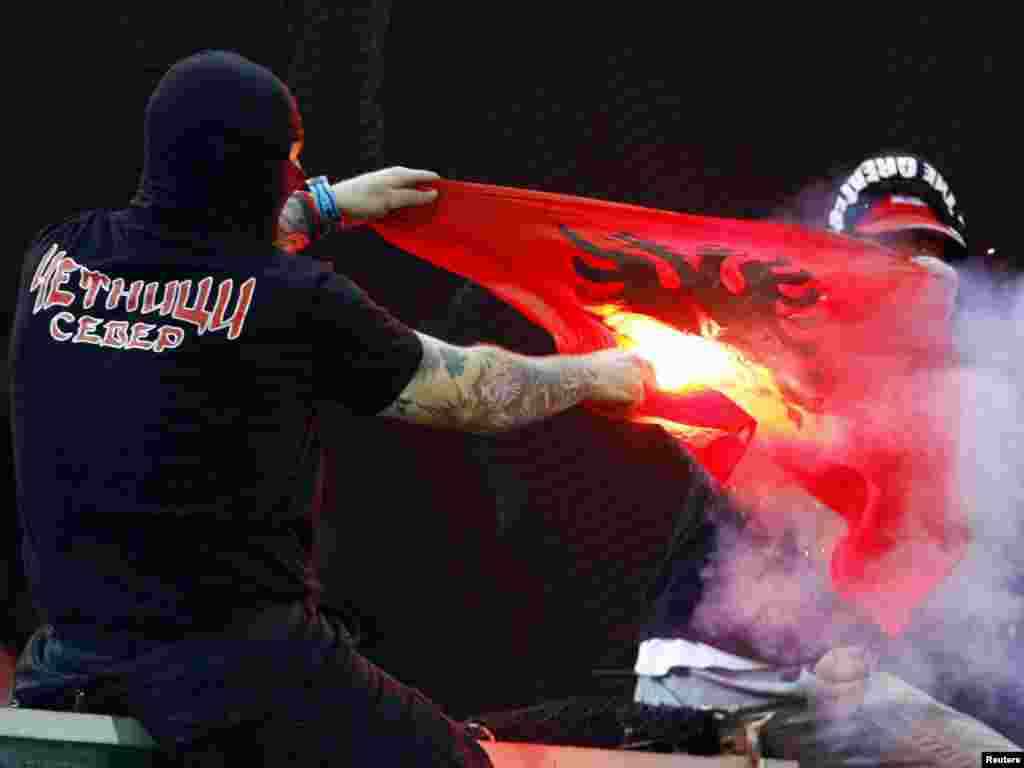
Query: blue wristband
[{"x": 324, "y": 198}]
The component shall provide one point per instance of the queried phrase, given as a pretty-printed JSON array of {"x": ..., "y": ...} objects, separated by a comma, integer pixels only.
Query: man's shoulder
[
  {"x": 64, "y": 233},
  {"x": 70, "y": 225}
]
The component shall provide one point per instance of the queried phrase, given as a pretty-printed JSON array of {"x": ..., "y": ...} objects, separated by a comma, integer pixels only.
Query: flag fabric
[{"x": 830, "y": 355}]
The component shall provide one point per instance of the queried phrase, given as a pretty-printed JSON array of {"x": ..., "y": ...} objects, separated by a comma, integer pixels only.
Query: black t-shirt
[{"x": 164, "y": 398}]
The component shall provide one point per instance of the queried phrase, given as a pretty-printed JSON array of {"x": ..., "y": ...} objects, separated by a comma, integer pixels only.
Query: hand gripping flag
[{"x": 830, "y": 355}]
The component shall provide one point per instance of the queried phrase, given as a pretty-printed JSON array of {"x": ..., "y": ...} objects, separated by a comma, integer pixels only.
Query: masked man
[{"x": 167, "y": 361}]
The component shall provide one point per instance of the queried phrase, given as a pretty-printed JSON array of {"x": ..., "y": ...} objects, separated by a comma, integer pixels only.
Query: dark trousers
[{"x": 280, "y": 685}]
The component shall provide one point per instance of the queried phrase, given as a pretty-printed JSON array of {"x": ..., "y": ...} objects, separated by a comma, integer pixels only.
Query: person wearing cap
[
  {"x": 915, "y": 211},
  {"x": 858, "y": 714},
  {"x": 901, "y": 200},
  {"x": 863, "y": 710}
]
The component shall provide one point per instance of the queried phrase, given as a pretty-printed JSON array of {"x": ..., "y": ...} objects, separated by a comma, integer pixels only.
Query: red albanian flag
[{"x": 829, "y": 355}]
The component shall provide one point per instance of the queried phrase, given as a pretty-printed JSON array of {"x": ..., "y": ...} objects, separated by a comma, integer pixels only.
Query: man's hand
[
  {"x": 621, "y": 379},
  {"x": 843, "y": 675},
  {"x": 376, "y": 194}
]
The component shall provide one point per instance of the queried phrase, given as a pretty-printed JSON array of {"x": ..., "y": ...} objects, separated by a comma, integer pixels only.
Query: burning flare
[{"x": 686, "y": 362}]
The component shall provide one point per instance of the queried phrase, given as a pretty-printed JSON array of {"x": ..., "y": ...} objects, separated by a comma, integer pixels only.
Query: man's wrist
[
  {"x": 327, "y": 202},
  {"x": 343, "y": 202},
  {"x": 576, "y": 373}
]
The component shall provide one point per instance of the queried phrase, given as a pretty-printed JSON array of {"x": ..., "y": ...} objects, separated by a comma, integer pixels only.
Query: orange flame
[{"x": 686, "y": 362}]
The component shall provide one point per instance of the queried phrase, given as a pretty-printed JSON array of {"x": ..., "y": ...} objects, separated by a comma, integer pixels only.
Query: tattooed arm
[
  {"x": 300, "y": 223},
  {"x": 486, "y": 389}
]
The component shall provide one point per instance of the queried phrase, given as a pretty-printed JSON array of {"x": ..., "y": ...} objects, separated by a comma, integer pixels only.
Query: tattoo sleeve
[
  {"x": 300, "y": 223},
  {"x": 487, "y": 389}
]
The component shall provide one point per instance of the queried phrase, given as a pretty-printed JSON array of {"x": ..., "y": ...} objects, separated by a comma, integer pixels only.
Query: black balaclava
[{"x": 221, "y": 140}]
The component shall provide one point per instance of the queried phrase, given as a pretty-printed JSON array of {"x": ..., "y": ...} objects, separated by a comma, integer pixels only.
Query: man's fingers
[
  {"x": 403, "y": 182},
  {"x": 410, "y": 176},
  {"x": 401, "y": 198},
  {"x": 844, "y": 664}
]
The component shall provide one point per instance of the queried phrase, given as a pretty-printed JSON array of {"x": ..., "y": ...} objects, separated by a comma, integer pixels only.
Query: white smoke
[
  {"x": 966, "y": 641},
  {"x": 964, "y": 646}
]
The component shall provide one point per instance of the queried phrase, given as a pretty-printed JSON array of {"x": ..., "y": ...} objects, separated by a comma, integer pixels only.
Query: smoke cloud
[{"x": 964, "y": 645}]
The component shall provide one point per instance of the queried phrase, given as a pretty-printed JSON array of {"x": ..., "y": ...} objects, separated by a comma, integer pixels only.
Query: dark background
[{"x": 723, "y": 111}]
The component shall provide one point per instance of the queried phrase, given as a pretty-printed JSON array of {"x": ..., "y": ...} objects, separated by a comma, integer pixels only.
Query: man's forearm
[
  {"x": 512, "y": 390},
  {"x": 489, "y": 390},
  {"x": 300, "y": 223}
]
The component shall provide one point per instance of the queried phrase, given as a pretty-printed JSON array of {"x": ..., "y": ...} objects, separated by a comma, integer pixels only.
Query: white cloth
[
  {"x": 658, "y": 655},
  {"x": 712, "y": 678}
]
